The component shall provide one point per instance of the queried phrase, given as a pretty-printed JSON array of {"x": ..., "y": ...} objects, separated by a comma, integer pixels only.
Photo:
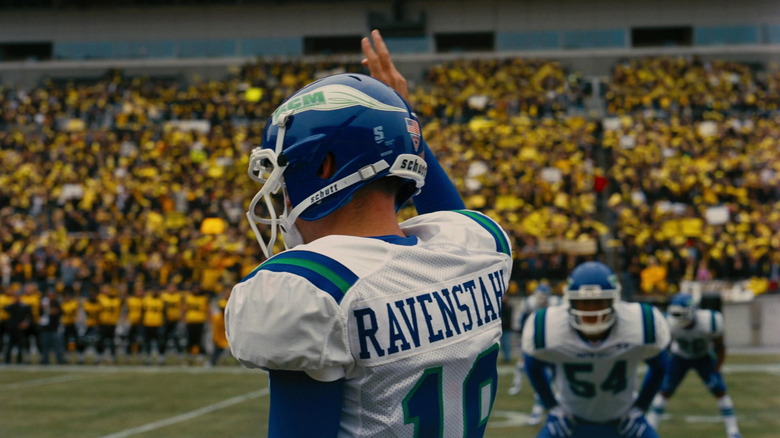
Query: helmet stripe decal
[
  {"x": 501, "y": 243},
  {"x": 539, "y": 324},
  {"x": 330, "y": 98},
  {"x": 649, "y": 324}
]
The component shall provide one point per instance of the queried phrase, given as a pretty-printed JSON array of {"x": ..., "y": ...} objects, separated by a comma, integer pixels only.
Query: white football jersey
[
  {"x": 531, "y": 304},
  {"x": 411, "y": 323},
  {"x": 596, "y": 382},
  {"x": 697, "y": 340}
]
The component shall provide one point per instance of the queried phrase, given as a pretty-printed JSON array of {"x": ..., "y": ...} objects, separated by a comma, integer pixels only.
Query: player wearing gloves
[
  {"x": 367, "y": 327},
  {"x": 697, "y": 343},
  {"x": 595, "y": 342}
]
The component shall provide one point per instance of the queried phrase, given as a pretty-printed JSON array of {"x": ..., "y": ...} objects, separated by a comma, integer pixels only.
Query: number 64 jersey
[
  {"x": 596, "y": 381},
  {"x": 411, "y": 324}
]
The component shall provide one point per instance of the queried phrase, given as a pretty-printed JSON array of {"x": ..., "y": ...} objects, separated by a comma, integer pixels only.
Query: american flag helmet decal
[{"x": 413, "y": 127}]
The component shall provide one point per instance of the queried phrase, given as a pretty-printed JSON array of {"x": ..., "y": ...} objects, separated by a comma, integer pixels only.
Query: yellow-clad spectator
[
  {"x": 174, "y": 308},
  {"x": 70, "y": 310},
  {"x": 153, "y": 321},
  {"x": 32, "y": 297},
  {"x": 653, "y": 277},
  {"x": 218, "y": 335},
  {"x": 6, "y": 299},
  {"x": 134, "y": 318},
  {"x": 91, "y": 306},
  {"x": 110, "y": 312},
  {"x": 196, "y": 313}
]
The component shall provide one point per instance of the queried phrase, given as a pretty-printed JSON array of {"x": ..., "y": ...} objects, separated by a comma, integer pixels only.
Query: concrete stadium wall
[
  {"x": 313, "y": 18},
  {"x": 591, "y": 63},
  {"x": 288, "y": 22},
  {"x": 754, "y": 323}
]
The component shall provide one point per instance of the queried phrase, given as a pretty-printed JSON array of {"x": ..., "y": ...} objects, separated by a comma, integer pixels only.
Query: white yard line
[
  {"x": 769, "y": 368},
  {"x": 42, "y": 382},
  {"x": 188, "y": 415}
]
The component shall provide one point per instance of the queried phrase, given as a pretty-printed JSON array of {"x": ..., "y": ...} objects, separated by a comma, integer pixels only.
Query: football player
[
  {"x": 153, "y": 319},
  {"x": 368, "y": 327},
  {"x": 173, "y": 299},
  {"x": 110, "y": 312},
  {"x": 196, "y": 313},
  {"x": 70, "y": 310},
  {"x": 595, "y": 342},
  {"x": 134, "y": 320},
  {"x": 91, "y": 335},
  {"x": 697, "y": 343}
]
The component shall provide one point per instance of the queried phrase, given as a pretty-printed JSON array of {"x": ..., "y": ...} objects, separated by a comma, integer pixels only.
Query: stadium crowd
[
  {"x": 694, "y": 172},
  {"x": 131, "y": 187}
]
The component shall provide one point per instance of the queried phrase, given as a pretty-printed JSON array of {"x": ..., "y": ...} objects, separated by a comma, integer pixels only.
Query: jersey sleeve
[
  {"x": 286, "y": 316},
  {"x": 716, "y": 324},
  {"x": 534, "y": 342},
  {"x": 655, "y": 331}
]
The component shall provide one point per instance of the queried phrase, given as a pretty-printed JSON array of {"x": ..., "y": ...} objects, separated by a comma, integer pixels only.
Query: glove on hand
[
  {"x": 633, "y": 424},
  {"x": 559, "y": 423}
]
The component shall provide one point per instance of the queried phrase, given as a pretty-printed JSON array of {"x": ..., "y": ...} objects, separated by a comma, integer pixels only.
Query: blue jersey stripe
[
  {"x": 648, "y": 321},
  {"x": 539, "y": 329},
  {"x": 502, "y": 245},
  {"x": 322, "y": 271}
]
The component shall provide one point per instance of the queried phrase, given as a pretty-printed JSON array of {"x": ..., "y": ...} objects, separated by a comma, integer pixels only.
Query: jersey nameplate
[{"x": 389, "y": 328}]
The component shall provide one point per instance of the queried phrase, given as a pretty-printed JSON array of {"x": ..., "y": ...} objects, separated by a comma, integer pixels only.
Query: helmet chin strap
[
  {"x": 286, "y": 221},
  {"x": 290, "y": 232},
  {"x": 292, "y": 236}
]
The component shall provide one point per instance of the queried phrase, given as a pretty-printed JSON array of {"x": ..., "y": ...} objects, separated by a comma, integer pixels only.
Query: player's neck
[
  {"x": 594, "y": 338},
  {"x": 373, "y": 216}
]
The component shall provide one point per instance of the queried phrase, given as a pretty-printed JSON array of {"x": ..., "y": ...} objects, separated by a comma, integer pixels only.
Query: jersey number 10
[{"x": 424, "y": 404}]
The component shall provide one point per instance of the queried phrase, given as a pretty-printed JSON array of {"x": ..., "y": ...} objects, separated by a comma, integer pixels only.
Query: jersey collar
[{"x": 397, "y": 240}]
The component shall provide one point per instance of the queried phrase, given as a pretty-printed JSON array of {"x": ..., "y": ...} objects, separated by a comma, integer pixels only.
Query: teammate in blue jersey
[
  {"x": 595, "y": 342},
  {"x": 697, "y": 343},
  {"x": 367, "y": 327}
]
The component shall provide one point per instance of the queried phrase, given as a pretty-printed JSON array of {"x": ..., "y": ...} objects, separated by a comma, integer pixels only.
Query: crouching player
[
  {"x": 697, "y": 342},
  {"x": 596, "y": 342}
]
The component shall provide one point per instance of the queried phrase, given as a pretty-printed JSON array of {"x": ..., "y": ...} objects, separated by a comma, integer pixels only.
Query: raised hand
[{"x": 380, "y": 65}]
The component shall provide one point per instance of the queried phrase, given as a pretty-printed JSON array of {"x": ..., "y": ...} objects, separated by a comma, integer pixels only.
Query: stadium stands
[{"x": 141, "y": 180}]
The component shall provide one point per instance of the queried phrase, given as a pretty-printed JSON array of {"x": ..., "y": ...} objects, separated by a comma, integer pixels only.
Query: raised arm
[
  {"x": 438, "y": 193},
  {"x": 380, "y": 64}
]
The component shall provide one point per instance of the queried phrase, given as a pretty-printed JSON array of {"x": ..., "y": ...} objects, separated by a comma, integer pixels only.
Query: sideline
[{"x": 188, "y": 415}]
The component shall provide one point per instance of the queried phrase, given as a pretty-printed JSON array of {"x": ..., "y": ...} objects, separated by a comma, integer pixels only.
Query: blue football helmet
[
  {"x": 681, "y": 309},
  {"x": 357, "y": 122},
  {"x": 591, "y": 281},
  {"x": 541, "y": 296}
]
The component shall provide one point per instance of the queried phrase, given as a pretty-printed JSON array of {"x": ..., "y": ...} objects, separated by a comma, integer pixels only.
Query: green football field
[{"x": 174, "y": 401}]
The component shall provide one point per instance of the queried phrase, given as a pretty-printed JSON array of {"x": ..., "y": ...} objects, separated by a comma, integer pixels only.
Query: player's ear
[{"x": 328, "y": 166}]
